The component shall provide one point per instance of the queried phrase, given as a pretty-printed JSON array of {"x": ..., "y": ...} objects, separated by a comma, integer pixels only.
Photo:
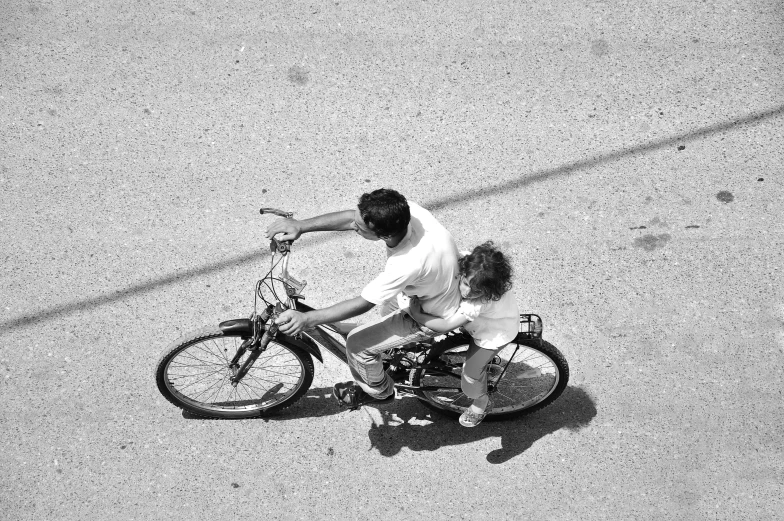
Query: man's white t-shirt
[
  {"x": 492, "y": 324},
  {"x": 423, "y": 264}
]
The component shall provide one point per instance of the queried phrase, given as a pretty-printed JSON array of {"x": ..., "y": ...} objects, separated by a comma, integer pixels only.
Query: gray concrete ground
[{"x": 628, "y": 155}]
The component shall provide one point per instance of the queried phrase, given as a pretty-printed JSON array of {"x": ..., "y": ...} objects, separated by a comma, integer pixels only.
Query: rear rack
[{"x": 531, "y": 326}]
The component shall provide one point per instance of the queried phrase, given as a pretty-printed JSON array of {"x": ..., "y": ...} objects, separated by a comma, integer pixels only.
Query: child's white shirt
[{"x": 492, "y": 324}]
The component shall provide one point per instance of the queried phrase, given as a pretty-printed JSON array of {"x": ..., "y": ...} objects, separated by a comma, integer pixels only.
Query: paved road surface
[{"x": 629, "y": 157}]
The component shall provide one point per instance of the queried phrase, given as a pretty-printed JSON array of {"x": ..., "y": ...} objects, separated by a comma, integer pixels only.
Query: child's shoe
[{"x": 472, "y": 419}]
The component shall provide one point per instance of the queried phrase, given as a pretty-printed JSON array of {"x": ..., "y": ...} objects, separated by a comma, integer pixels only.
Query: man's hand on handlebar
[
  {"x": 290, "y": 229},
  {"x": 292, "y": 322}
]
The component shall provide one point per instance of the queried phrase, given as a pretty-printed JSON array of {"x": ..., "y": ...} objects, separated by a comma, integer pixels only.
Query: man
[{"x": 421, "y": 262}]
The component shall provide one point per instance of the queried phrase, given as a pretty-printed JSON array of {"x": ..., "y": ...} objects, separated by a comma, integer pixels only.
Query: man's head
[{"x": 383, "y": 213}]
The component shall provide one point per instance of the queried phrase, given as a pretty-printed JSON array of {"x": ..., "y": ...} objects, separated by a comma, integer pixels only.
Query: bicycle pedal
[
  {"x": 437, "y": 364},
  {"x": 399, "y": 376},
  {"x": 343, "y": 405}
]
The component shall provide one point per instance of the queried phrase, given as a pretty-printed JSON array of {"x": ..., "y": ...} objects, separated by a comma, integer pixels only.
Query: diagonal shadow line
[
  {"x": 437, "y": 204},
  {"x": 582, "y": 164},
  {"x": 150, "y": 285}
]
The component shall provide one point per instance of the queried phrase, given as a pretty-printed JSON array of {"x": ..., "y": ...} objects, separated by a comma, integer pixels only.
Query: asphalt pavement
[{"x": 627, "y": 156}]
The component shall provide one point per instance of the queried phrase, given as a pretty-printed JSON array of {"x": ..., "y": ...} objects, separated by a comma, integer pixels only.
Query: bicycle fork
[{"x": 254, "y": 345}]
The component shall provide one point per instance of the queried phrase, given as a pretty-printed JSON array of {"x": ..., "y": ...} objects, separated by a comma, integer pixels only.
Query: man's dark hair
[
  {"x": 385, "y": 211},
  {"x": 491, "y": 270}
]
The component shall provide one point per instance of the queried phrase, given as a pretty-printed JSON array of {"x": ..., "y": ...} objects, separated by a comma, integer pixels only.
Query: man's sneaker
[{"x": 349, "y": 394}]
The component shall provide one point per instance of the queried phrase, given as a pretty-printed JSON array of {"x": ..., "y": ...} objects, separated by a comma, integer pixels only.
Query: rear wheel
[
  {"x": 194, "y": 373},
  {"x": 536, "y": 374}
]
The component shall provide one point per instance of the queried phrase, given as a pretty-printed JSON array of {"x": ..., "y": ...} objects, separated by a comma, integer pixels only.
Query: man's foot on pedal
[{"x": 351, "y": 395}]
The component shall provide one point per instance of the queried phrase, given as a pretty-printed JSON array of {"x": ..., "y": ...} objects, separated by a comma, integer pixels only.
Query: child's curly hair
[{"x": 492, "y": 273}]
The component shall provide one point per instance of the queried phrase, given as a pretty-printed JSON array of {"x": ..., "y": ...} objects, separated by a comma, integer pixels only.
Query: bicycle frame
[{"x": 322, "y": 336}]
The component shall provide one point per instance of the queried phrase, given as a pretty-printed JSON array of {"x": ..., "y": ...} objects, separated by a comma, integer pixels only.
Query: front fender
[
  {"x": 244, "y": 328},
  {"x": 238, "y": 326}
]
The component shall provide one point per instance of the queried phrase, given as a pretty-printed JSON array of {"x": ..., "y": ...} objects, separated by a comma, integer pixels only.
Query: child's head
[{"x": 485, "y": 273}]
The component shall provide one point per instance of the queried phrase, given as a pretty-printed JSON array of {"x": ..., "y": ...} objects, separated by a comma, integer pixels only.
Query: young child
[{"x": 488, "y": 311}]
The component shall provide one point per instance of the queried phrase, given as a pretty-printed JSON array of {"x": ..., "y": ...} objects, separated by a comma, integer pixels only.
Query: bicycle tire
[
  {"x": 537, "y": 362},
  {"x": 198, "y": 364}
]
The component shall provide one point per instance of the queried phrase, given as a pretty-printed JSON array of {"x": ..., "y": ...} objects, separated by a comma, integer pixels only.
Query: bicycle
[{"x": 246, "y": 368}]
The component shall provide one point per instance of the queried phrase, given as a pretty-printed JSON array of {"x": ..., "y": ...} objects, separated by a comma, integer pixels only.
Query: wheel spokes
[
  {"x": 201, "y": 374},
  {"x": 528, "y": 379}
]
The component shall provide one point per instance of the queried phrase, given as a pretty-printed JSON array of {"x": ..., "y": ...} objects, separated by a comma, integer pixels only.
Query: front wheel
[
  {"x": 194, "y": 373},
  {"x": 536, "y": 374}
]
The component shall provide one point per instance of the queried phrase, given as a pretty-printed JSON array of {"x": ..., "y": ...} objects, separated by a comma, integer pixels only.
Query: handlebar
[
  {"x": 283, "y": 247},
  {"x": 293, "y": 286},
  {"x": 275, "y": 211}
]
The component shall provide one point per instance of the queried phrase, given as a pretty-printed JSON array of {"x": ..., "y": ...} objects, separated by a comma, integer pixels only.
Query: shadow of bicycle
[
  {"x": 573, "y": 411},
  {"x": 408, "y": 423}
]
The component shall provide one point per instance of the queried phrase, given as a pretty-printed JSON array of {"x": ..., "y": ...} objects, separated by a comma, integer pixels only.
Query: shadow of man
[{"x": 423, "y": 430}]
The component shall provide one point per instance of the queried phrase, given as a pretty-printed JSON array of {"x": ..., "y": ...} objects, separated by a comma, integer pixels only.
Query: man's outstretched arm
[
  {"x": 291, "y": 229},
  {"x": 292, "y": 322}
]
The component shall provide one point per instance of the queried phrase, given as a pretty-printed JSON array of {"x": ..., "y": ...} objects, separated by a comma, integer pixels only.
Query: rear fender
[{"x": 244, "y": 328}]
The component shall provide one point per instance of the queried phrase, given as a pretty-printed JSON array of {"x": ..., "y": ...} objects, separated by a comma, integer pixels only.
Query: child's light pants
[{"x": 474, "y": 379}]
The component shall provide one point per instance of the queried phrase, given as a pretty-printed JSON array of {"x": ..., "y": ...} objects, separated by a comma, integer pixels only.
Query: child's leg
[{"x": 474, "y": 379}]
